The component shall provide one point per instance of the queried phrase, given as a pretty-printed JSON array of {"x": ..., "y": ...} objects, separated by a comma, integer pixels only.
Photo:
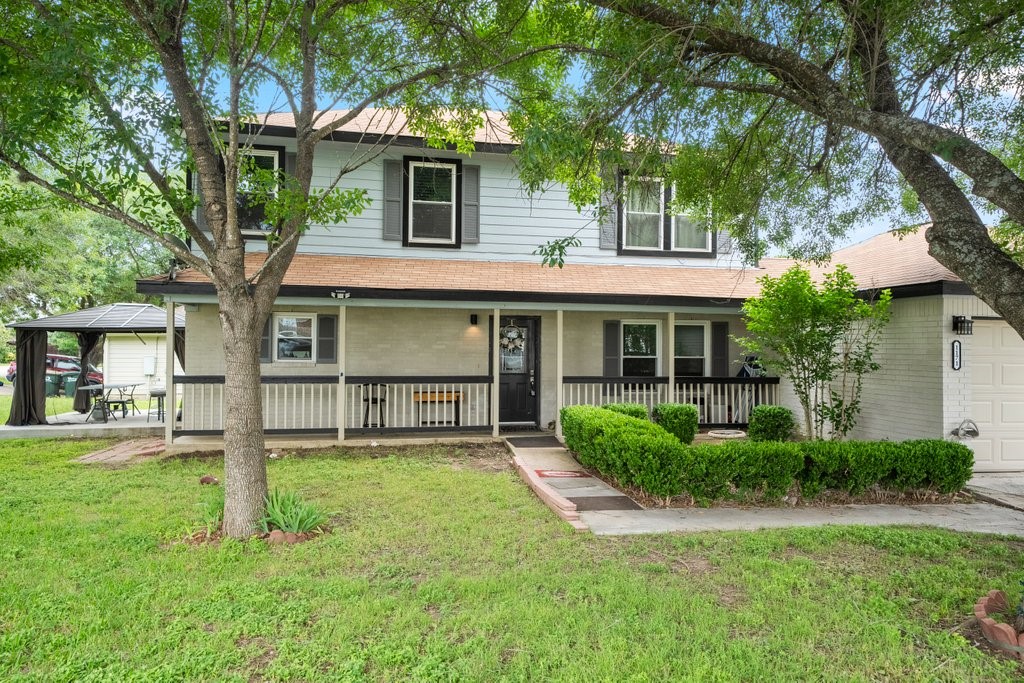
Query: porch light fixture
[
  {"x": 963, "y": 325},
  {"x": 473, "y": 319}
]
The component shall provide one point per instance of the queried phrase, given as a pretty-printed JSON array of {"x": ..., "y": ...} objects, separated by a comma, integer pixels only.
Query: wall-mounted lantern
[
  {"x": 473, "y": 319},
  {"x": 963, "y": 325}
]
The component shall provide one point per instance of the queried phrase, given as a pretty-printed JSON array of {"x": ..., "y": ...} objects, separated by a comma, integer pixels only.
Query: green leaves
[{"x": 821, "y": 337}]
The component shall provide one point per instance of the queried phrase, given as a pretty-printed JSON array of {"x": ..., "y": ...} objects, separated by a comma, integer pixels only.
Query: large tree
[
  {"x": 108, "y": 102},
  {"x": 793, "y": 118}
]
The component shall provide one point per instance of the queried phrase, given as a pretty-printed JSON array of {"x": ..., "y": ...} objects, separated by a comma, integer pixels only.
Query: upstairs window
[
  {"x": 644, "y": 214},
  {"x": 647, "y": 226},
  {"x": 432, "y": 218},
  {"x": 258, "y": 170}
]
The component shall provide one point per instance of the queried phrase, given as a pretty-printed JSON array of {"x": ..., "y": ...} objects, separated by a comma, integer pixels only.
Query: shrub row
[
  {"x": 640, "y": 453},
  {"x": 678, "y": 419},
  {"x": 632, "y": 450}
]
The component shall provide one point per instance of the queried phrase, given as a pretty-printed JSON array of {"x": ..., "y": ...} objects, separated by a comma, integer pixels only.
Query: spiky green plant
[{"x": 288, "y": 512}]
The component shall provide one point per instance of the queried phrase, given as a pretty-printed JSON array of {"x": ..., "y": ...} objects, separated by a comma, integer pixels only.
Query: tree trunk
[{"x": 245, "y": 467}]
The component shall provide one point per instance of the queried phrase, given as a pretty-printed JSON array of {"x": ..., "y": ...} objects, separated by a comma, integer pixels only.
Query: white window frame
[
  {"x": 272, "y": 153},
  {"x": 709, "y": 246},
  {"x": 274, "y": 336},
  {"x": 706, "y": 324},
  {"x": 413, "y": 165},
  {"x": 661, "y": 216},
  {"x": 657, "y": 344}
]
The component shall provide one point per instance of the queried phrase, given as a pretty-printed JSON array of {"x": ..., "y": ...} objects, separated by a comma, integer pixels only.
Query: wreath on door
[{"x": 512, "y": 338}]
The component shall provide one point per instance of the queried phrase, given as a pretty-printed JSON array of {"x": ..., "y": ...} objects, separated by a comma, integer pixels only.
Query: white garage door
[{"x": 996, "y": 362}]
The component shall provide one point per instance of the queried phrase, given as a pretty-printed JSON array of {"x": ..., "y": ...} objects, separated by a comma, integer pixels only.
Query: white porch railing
[
  {"x": 719, "y": 400},
  {"x": 309, "y": 404}
]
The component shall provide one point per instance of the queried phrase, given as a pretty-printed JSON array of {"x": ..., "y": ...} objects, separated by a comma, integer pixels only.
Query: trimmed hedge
[
  {"x": 771, "y": 423},
  {"x": 678, "y": 419},
  {"x": 633, "y": 451},
  {"x": 639, "y": 453},
  {"x": 637, "y": 410},
  {"x": 767, "y": 467}
]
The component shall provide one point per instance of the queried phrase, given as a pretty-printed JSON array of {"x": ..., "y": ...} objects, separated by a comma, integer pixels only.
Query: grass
[{"x": 442, "y": 571}]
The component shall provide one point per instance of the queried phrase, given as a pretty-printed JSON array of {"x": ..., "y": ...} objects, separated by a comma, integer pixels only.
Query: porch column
[
  {"x": 495, "y": 370},
  {"x": 170, "y": 404},
  {"x": 559, "y": 371},
  {"x": 340, "y": 332},
  {"x": 670, "y": 356}
]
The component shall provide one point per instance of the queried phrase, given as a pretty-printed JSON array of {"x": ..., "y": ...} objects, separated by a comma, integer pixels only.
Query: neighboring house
[
  {"x": 946, "y": 356},
  {"x": 435, "y": 292}
]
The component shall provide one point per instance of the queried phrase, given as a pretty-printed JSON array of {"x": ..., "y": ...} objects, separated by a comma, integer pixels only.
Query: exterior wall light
[
  {"x": 963, "y": 325},
  {"x": 473, "y": 319}
]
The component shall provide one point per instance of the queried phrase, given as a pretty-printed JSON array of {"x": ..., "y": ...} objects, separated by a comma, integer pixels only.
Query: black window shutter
[
  {"x": 265, "y": 356},
  {"x": 612, "y": 348},
  {"x": 393, "y": 190},
  {"x": 326, "y": 338},
  {"x": 470, "y": 204},
  {"x": 719, "y": 349}
]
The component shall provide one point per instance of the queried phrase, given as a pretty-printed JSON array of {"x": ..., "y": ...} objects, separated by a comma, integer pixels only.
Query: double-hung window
[
  {"x": 644, "y": 213},
  {"x": 690, "y": 354},
  {"x": 640, "y": 348},
  {"x": 258, "y": 172},
  {"x": 648, "y": 226},
  {"x": 432, "y": 217},
  {"x": 294, "y": 337}
]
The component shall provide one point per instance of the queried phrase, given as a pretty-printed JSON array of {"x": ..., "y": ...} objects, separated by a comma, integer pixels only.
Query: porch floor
[{"x": 73, "y": 425}]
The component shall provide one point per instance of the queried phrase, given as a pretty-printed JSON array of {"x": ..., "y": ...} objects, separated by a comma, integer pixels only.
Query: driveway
[{"x": 1005, "y": 489}]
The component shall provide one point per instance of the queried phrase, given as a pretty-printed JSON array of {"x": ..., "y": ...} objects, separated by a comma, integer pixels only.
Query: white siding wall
[
  {"x": 512, "y": 223},
  {"x": 125, "y": 360}
]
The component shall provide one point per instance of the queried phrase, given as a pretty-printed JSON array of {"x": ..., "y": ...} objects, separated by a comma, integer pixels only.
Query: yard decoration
[{"x": 1005, "y": 634}]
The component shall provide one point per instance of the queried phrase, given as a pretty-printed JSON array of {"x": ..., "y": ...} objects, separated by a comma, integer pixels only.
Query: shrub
[
  {"x": 771, "y": 423},
  {"x": 634, "y": 452},
  {"x": 751, "y": 467},
  {"x": 637, "y": 410},
  {"x": 288, "y": 512},
  {"x": 678, "y": 419}
]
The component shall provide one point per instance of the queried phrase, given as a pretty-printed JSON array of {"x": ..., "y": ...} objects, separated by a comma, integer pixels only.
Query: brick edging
[{"x": 997, "y": 633}]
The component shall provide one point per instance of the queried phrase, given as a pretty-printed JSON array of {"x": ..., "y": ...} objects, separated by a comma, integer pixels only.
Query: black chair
[
  {"x": 124, "y": 401},
  {"x": 374, "y": 395}
]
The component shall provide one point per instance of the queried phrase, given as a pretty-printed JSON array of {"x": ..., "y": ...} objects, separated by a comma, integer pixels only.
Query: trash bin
[
  {"x": 52, "y": 384},
  {"x": 69, "y": 379}
]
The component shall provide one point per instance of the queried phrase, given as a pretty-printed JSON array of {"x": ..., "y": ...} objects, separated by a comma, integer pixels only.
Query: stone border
[{"x": 1000, "y": 635}]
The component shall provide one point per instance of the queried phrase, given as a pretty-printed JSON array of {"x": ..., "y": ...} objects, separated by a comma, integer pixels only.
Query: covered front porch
[{"x": 358, "y": 369}]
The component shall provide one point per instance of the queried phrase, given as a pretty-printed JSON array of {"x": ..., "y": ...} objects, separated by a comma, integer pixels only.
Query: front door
[{"x": 518, "y": 354}]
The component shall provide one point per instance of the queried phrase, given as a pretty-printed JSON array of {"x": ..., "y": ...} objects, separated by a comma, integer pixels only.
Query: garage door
[{"x": 996, "y": 361}]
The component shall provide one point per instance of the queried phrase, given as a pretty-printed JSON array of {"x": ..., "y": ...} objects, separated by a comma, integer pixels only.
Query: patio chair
[
  {"x": 374, "y": 395},
  {"x": 125, "y": 399}
]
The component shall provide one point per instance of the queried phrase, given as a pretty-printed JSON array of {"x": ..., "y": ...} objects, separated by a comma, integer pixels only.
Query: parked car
[{"x": 58, "y": 364}]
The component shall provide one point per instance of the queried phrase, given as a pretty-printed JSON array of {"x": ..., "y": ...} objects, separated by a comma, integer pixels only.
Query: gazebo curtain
[
  {"x": 87, "y": 343},
  {"x": 179, "y": 346},
  {"x": 29, "y": 405}
]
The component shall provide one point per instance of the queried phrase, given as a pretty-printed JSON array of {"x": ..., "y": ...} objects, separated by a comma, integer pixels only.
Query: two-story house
[{"x": 430, "y": 311}]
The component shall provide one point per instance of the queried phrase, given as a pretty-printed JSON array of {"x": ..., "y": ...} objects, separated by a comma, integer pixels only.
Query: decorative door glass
[{"x": 512, "y": 348}]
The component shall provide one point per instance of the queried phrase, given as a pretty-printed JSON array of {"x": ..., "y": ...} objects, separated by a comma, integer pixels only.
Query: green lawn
[
  {"x": 441, "y": 571},
  {"x": 56, "y": 405}
]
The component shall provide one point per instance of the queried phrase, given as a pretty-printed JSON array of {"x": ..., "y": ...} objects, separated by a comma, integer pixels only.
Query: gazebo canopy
[
  {"x": 89, "y": 325},
  {"x": 107, "y": 319}
]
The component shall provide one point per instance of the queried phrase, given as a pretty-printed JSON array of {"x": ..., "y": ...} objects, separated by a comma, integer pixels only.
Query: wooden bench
[{"x": 437, "y": 397}]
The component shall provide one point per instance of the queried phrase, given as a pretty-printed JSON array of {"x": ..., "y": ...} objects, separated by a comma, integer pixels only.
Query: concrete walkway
[
  {"x": 1001, "y": 488},
  {"x": 589, "y": 503}
]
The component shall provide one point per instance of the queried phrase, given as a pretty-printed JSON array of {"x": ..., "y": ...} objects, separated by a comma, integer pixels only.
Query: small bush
[
  {"x": 634, "y": 452},
  {"x": 771, "y": 423},
  {"x": 637, "y": 410},
  {"x": 678, "y": 419},
  {"x": 288, "y": 512}
]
